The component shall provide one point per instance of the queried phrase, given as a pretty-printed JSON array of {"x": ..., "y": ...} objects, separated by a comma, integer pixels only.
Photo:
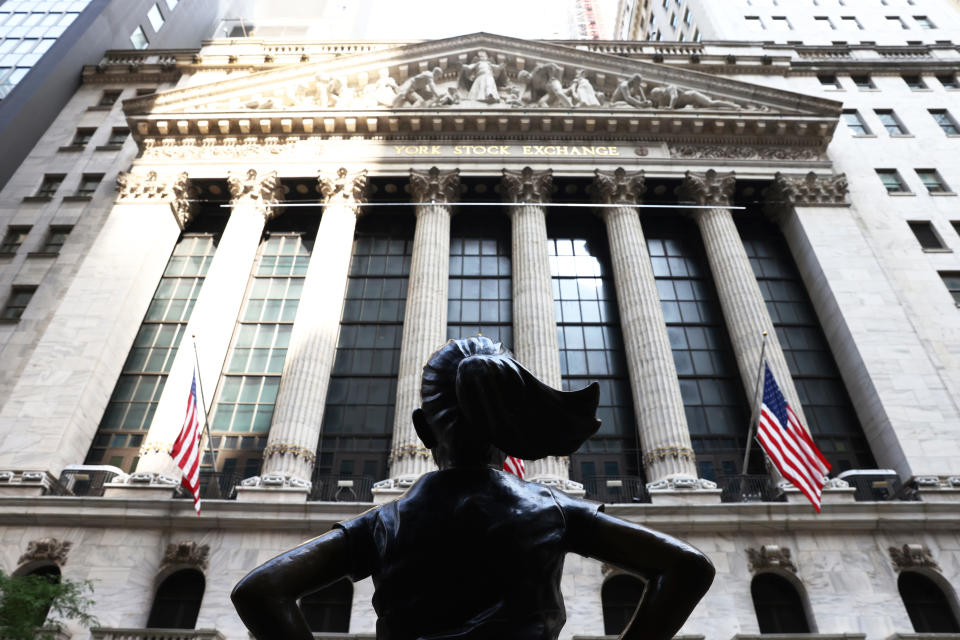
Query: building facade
[{"x": 298, "y": 225}]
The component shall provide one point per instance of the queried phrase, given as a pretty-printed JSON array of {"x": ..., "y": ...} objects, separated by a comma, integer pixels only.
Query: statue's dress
[
  {"x": 484, "y": 85},
  {"x": 469, "y": 554}
]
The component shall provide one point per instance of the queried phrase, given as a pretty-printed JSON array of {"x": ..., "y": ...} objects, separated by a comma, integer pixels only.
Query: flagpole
[
  {"x": 755, "y": 410},
  {"x": 203, "y": 403}
]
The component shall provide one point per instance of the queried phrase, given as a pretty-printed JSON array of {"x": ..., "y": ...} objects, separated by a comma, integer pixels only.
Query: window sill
[
  {"x": 73, "y": 148},
  {"x": 941, "y": 250},
  {"x": 833, "y": 89},
  {"x": 925, "y": 89},
  {"x": 872, "y": 89},
  {"x": 37, "y": 198},
  {"x": 900, "y": 193},
  {"x": 76, "y": 198},
  {"x": 940, "y": 194},
  {"x": 864, "y": 135},
  {"x": 43, "y": 254},
  {"x": 109, "y": 147},
  {"x": 9, "y": 321},
  {"x": 7, "y": 254},
  {"x": 902, "y": 135},
  {"x": 953, "y": 135},
  {"x": 100, "y": 107}
]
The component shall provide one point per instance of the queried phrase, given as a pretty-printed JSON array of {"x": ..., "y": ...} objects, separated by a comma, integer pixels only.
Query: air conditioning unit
[{"x": 873, "y": 484}]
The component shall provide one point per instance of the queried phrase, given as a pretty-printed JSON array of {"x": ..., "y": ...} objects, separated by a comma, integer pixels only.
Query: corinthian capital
[
  {"x": 344, "y": 187},
  {"x": 149, "y": 188},
  {"x": 811, "y": 190},
  {"x": 618, "y": 187},
  {"x": 264, "y": 192},
  {"x": 527, "y": 185},
  {"x": 434, "y": 185},
  {"x": 710, "y": 189}
]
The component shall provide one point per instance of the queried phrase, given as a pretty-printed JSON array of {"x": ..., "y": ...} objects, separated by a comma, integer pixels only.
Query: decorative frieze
[
  {"x": 770, "y": 556},
  {"x": 745, "y": 152},
  {"x": 811, "y": 190},
  {"x": 263, "y": 192},
  {"x": 345, "y": 187},
  {"x": 46, "y": 550},
  {"x": 912, "y": 556},
  {"x": 434, "y": 185},
  {"x": 185, "y": 554},
  {"x": 618, "y": 186},
  {"x": 527, "y": 186},
  {"x": 710, "y": 189}
]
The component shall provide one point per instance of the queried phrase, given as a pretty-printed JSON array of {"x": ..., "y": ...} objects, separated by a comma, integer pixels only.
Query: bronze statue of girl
[{"x": 470, "y": 551}]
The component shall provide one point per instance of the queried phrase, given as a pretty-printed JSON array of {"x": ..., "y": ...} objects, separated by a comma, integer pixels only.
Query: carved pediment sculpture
[
  {"x": 46, "y": 550},
  {"x": 770, "y": 556},
  {"x": 188, "y": 554},
  {"x": 911, "y": 556}
]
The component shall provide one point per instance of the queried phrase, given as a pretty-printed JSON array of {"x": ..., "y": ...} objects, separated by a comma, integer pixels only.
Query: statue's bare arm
[
  {"x": 266, "y": 598},
  {"x": 677, "y": 574}
]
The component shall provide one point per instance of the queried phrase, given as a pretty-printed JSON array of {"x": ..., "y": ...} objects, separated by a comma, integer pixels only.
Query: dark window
[
  {"x": 932, "y": 180},
  {"x": 890, "y": 122},
  {"x": 118, "y": 135},
  {"x": 591, "y": 348},
  {"x": 13, "y": 238},
  {"x": 915, "y": 82},
  {"x": 620, "y": 596},
  {"x": 17, "y": 302},
  {"x": 137, "y": 392},
  {"x": 892, "y": 181},
  {"x": 51, "y": 182},
  {"x": 358, "y": 418},
  {"x": 952, "y": 281},
  {"x": 850, "y": 22},
  {"x": 778, "y": 605},
  {"x": 896, "y": 21},
  {"x": 251, "y": 378},
  {"x": 855, "y": 123},
  {"x": 328, "y": 610},
  {"x": 823, "y": 22},
  {"x": 925, "y": 234},
  {"x": 829, "y": 80},
  {"x": 926, "y": 604},
  {"x": 480, "y": 298},
  {"x": 823, "y": 395},
  {"x": 713, "y": 397},
  {"x": 109, "y": 97},
  {"x": 956, "y": 226},
  {"x": 56, "y": 236},
  {"x": 943, "y": 118},
  {"x": 177, "y": 602},
  {"x": 863, "y": 81},
  {"x": 146, "y": 91},
  {"x": 88, "y": 184},
  {"x": 948, "y": 80},
  {"x": 82, "y": 136}
]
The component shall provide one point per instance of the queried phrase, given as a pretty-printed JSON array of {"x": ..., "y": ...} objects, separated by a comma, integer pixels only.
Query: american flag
[
  {"x": 186, "y": 448},
  {"x": 788, "y": 444},
  {"x": 515, "y": 466}
]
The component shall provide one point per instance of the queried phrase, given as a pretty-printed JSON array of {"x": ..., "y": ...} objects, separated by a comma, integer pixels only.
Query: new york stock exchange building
[{"x": 303, "y": 224}]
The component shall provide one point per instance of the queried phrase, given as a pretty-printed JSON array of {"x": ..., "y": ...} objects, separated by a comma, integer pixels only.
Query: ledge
[
  {"x": 799, "y": 636},
  {"x": 923, "y": 636},
  {"x": 109, "y": 147},
  {"x": 76, "y": 198},
  {"x": 42, "y": 254},
  {"x": 100, "y": 107},
  {"x": 939, "y": 194},
  {"x": 72, "y": 147},
  {"x": 37, "y": 198}
]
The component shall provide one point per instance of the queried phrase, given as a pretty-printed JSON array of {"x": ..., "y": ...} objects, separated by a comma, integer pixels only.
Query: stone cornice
[
  {"x": 618, "y": 186},
  {"x": 434, "y": 185},
  {"x": 151, "y": 188},
  {"x": 343, "y": 187},
  {"x": 710, "y": 189},
  {"x": 810, "y": 190},
  {"x": 262, "y": 191},
  {"x": 527, "y": 185}
]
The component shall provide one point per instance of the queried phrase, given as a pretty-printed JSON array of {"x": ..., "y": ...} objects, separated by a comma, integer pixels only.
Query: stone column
[
  {"x": 254, "y": 200},
  {"x": 290, "y": 454},
  {"x": 53, "y": 411},
  {"x": 425, "y": 318},
  {"x": 534, "y": 317},
  {"x": 668, "y": 458},
  {"x": 744, "y": 309}
]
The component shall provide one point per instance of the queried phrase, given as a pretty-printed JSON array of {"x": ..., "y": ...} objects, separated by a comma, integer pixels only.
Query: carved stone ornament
[
  {"x": 811, "y": 190},
  {"x": 911, "y": 556},
  {"x": 744, "y": 152},
  {"x": 618, "y": 186},
  {"x": 263, "y": 191},
  {"x": 345, "y": 187},
  {"x": 527, "y": 185},
  {"x": 770, "y": 556},
  {"x": 189, "y": 554},
  {"x": 150, "y": 188},
  {"x": 710, "y": 189},
  {"x": 46, "y": 550},
  {"x": 434, "y": 185}
]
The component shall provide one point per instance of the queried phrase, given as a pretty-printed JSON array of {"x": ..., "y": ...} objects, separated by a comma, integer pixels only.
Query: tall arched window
[
  {"x": 778, "y": 605},
  {"x": 328, "y": 610},
  {"x": 927, "y": 604},
  {"x": 620, "y": 596},
  {"x": 177, "y": 602}
]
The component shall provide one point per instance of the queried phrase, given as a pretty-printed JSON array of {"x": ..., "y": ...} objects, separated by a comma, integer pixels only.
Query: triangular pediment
[{"x": 477, "y": 83}]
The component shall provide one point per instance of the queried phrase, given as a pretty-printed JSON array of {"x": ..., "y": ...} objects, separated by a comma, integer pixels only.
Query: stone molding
[
  {"x": 276, "y": 481},
  {"x": 149, "y": 188},
  {"x": 343, "y": 187},
  {"x": 810, "y": 190},
  {"x": 412, "y": 450},
  {"x": 434, "y": 185},
  {"x": 912, "y": 556},
  {"x": 527, "y": 186},
  {"x": 681, "y": 483},
  {"x": 263, "y": 192},
  {"x": 667, "y": 452},
  {"x": 46, "y": 550},
  {"x": 281, "y": 448},
  {"x": 191, "y": 554},
  {"x": 40, "y": 479},
  {"x": 770, "y": 556},
  {"x": 710, "y": 189},
  {"x": 618, "y": 186},
  {"x": 709, "y": 151}
]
